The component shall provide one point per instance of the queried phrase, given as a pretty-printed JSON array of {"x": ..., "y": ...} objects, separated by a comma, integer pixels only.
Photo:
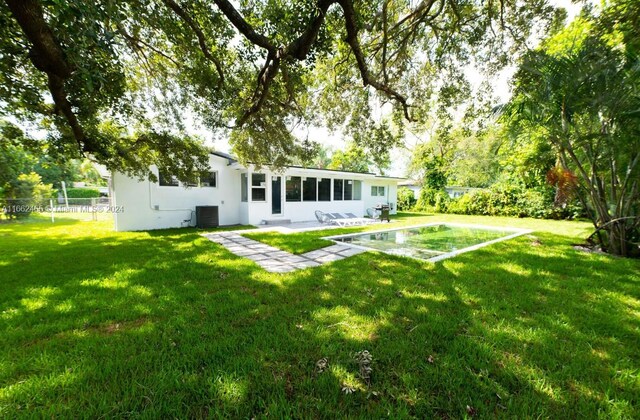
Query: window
[
  {"x": 258, "y": 187},
  {"x": 324, "y": 189},
  {"x": 293, "y": 188},
  {"x": 244, "y": 194},
  {"x": 309, "y": 189},
  {"x": 357, "y": 190},
  {"x": 210, "y": 179},
  {"x": 377, "y": 191},
  {"x": 167, "y": 180},
  {"x": 348, "y": 189},
  {"x": 337, "y": 189}
]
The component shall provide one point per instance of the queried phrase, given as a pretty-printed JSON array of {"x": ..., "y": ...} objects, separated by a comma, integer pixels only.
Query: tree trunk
[{"x": 617, "y": 243}]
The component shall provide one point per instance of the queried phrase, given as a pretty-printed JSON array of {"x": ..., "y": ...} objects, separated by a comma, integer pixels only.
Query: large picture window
[
  {"x": 347, "y": 189},
  {"x": 293, "y": 188},
  {"x": 337, "y": 189},
  {"x": 167, "y": 180},
  {"x": 324, "y": 189},
  {"x": 258, "y": 187},
  {"x": 244, "y": 189},
  {"x": 309, "y": 189}
]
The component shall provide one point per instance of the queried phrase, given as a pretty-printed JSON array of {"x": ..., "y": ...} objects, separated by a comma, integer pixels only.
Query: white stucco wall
[
  {"x": 147, "y": 205},
  {"x": 390, "y": 197},
  {"x": 300, "y": 211}
]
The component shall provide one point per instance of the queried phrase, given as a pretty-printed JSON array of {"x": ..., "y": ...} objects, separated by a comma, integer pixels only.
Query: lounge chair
[
  {"x": 350, "y": 220},
  {"x": 340, "y": 220},
  {"x": 322, "y": 217}
]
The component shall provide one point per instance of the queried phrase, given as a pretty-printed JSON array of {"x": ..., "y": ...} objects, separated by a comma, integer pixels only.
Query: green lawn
[{"x": 95, "y": 323}]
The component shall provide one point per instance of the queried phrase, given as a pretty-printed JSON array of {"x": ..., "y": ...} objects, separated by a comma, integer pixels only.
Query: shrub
[
  {"x": 82, "y": 193},
  {"x": 535, "y": 203},
  {"x": 433, "y": 200},
  {"x": 514, "y": 201},
  {"x": 26, "y": 193},
  {"x": 406, "y": 199}
]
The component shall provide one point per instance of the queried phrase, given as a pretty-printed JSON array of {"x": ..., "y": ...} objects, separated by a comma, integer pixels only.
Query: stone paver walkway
[{"x": 278, "y": 261}]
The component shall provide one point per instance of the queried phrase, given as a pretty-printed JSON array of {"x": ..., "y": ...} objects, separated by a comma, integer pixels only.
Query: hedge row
[
  {"x": 500, "y": 200},
  {"x": 82, "y": 193}
]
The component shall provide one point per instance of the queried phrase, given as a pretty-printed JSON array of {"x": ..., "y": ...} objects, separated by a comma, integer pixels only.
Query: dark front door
[{"x": 276, "y": 195}]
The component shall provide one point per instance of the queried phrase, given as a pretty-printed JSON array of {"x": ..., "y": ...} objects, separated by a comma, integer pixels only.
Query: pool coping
[{"x": 516, "y": 232}]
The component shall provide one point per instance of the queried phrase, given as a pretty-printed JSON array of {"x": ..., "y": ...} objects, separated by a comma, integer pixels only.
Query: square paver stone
[
  {"x": 315, "y": 254},
  {"x": 258, "y": 257},
  {"x": 351, "y": 251},
  {"x": 329, "y": 258}
]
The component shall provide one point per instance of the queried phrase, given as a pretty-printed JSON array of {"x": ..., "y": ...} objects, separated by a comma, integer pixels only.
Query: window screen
[
  {"x": 258, "y": 187},
  {"x": 309, "y": 189},
  {"x": 324, "y": 189},
  {"x": 357, "y": 190},
  {"x": 209, "y": 180},
  {"x": 243, "y": 188},
  {"x": 337, "y": 189},
  {"x": 293, "y": 188},
  {"x": 348, "y": 189}
]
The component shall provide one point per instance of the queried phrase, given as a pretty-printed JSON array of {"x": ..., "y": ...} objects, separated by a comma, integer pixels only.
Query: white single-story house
[{"x": 246, "y": 195}]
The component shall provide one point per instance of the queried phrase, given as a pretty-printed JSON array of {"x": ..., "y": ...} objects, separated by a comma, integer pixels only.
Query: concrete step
[{"x": 276, "y": 222}]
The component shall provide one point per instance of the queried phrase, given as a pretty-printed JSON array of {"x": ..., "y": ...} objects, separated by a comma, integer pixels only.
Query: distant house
[
  {"x": 453, "y": 191},
  {"x": 414, "y": 186},
  {"x": 456, "y": 192},
  {"x": 246, "y": 195}
]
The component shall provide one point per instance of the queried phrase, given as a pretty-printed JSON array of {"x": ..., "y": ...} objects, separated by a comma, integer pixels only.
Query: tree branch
[
  {"x": 244, "y": 27},
  {"x": 300, "y": 47},
  {"x": 199, "y": 34},
  {"x": 367, "y": 80},
  {"x": 48, "y": 57},
  {"x": 135, "y": 43}
]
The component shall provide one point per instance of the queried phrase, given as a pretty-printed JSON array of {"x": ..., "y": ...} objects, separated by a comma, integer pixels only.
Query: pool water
[{"x": 431, "y": 242}]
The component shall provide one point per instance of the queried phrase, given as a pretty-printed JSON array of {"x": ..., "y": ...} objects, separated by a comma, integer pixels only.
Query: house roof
[
  {"x": 232, "y": 159},
  {"x": 227, "y": 156}
]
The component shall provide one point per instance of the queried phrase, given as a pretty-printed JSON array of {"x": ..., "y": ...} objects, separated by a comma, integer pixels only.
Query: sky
[{"x": 400, "y": 158}]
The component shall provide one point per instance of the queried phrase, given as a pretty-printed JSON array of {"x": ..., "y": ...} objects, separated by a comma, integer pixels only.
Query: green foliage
[
  {"x": 354, "y": 158},
  {"x": 433, "y": 200},
  {"x": 514, "y": 201},
  {"x": 252, "y": 74},
  {"x": 406, "y": 199},
  {"x": 15, "y": 159},
  {"x": 82, "y": 193},
  {"x": 579, "y": 92},
  {"x": 24, "y": 194},
  {"x": 476, "y": 159}
]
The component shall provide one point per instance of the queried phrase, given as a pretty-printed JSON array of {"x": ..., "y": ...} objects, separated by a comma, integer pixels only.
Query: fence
[{"x": 78, "y": 208}]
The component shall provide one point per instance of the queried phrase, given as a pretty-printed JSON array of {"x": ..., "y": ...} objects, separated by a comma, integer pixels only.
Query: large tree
[
  {"x": 581, "y": 92},
  {"x": 118, "y": 80}
]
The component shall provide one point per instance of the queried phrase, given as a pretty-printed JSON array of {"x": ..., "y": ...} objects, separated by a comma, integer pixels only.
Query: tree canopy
[
  {"x": 581, "y": 92},
  {"x": 121, "y": 81}
]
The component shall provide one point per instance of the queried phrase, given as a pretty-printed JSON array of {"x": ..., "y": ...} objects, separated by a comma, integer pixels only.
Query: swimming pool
[{"x": 432, "y": 242}]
